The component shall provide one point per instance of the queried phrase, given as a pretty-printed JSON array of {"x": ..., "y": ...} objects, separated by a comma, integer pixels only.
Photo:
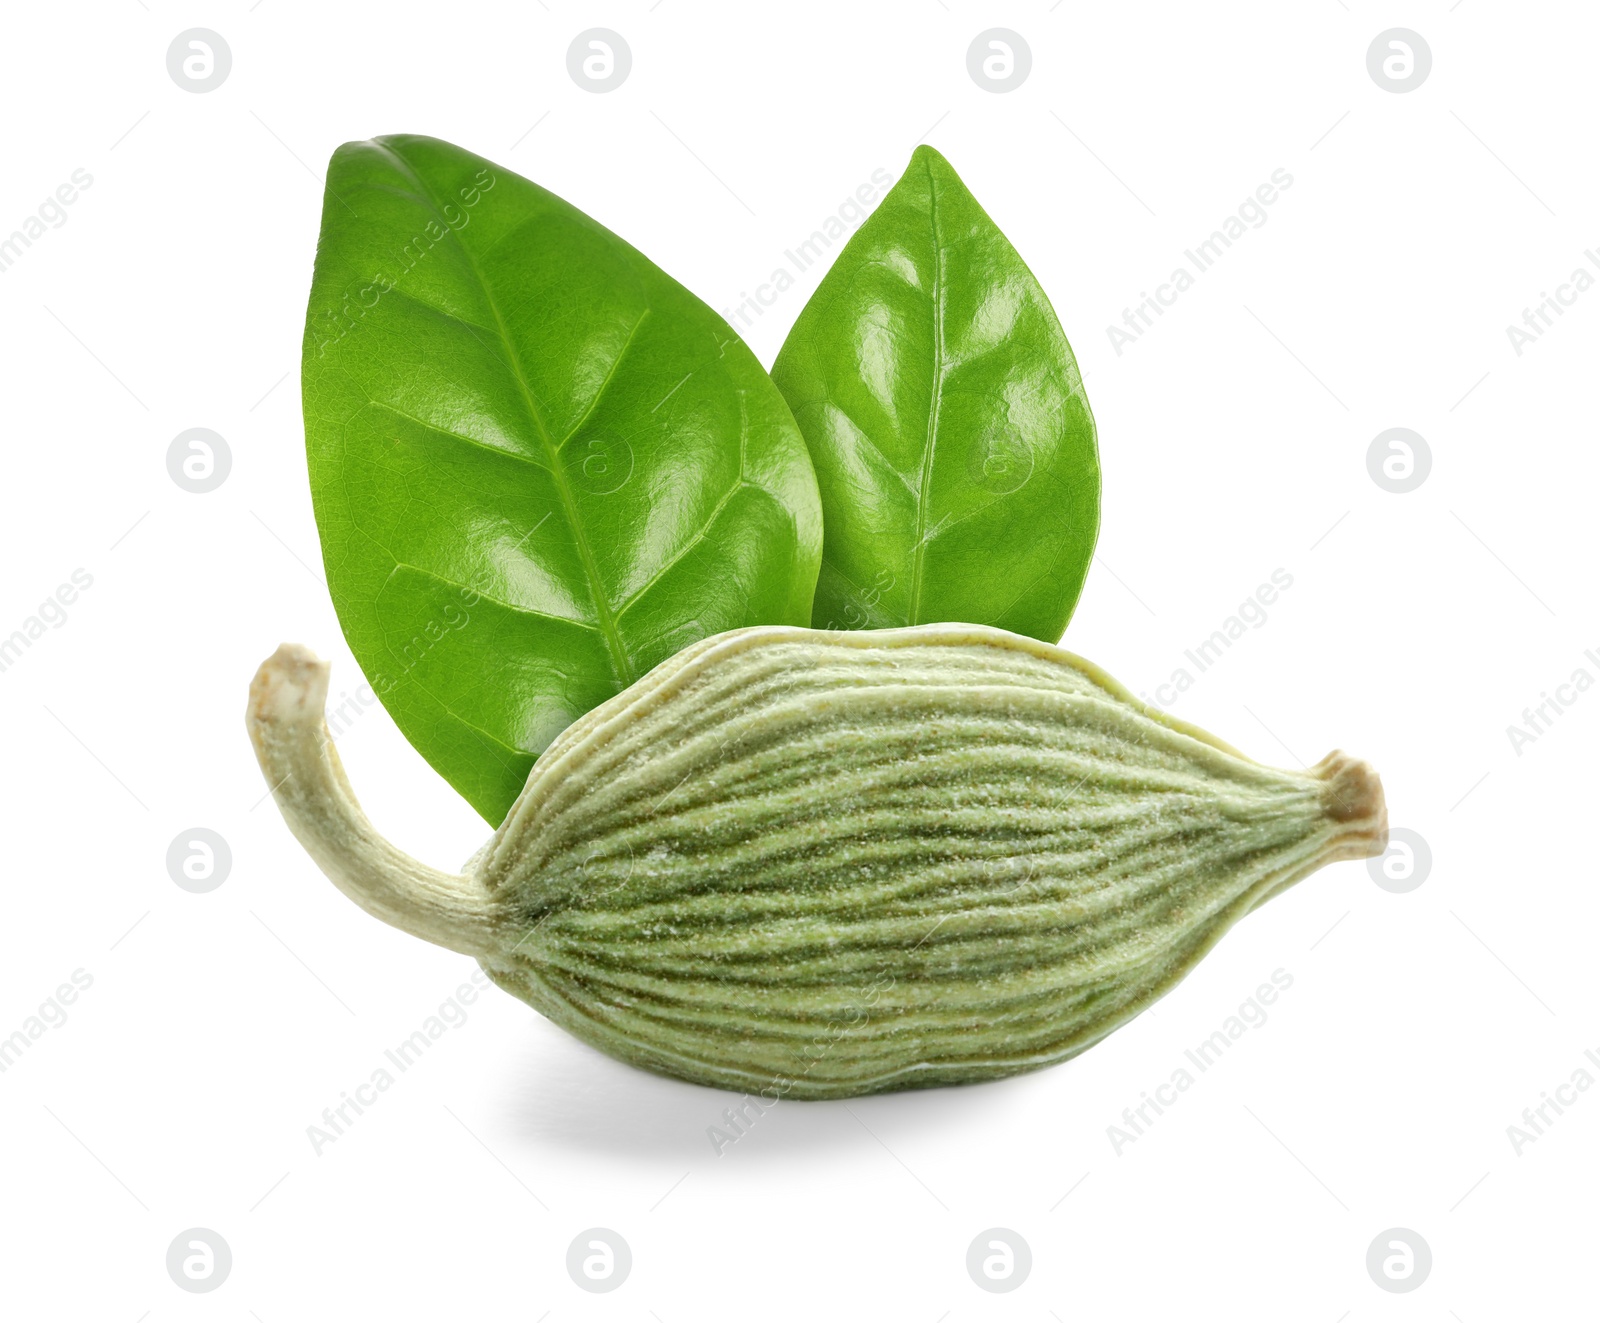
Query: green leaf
[
  {"x": 540, "y": 466},
  {"x": 947, "y": 422}
]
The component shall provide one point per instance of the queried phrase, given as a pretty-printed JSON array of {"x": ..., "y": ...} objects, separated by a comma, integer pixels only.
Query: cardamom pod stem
[{"x": 296, "y": 753}]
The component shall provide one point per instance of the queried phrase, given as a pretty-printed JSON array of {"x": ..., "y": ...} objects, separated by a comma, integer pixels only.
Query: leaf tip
[{"x": 929, "y": 158}]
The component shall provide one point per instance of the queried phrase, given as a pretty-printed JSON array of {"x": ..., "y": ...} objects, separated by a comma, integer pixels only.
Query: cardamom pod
[{"x": 815, "y": 864}]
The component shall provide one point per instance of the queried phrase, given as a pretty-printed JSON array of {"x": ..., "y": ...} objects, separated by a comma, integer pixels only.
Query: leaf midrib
[{"x": 620, "y": 662}]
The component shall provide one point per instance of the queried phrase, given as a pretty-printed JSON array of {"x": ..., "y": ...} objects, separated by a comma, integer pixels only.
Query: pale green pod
[{"x": 812, "y": 864}]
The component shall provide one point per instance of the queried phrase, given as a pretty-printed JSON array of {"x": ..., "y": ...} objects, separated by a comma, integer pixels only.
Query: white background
[{"x": 1234, "y": 436}]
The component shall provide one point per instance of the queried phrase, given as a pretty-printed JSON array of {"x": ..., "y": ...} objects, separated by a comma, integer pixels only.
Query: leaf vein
[
  {"x": 925, "y": 487},
  {"x": 622, "y": 663}
]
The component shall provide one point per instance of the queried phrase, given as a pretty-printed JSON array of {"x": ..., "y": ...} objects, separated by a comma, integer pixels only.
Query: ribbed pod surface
[{"x": 817, "y": 864}]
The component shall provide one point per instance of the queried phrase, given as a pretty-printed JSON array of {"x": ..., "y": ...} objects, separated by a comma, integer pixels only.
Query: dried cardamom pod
[{"x": 817, "y": 864}]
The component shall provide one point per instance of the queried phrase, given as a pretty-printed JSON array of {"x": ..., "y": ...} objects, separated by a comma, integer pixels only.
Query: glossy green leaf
[
  {"x": 946, "y": 418},
  {"x": 540, "y": 466}
]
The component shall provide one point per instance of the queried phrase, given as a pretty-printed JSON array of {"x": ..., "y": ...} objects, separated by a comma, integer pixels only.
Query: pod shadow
[{"x": 561, "y": 1092}]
